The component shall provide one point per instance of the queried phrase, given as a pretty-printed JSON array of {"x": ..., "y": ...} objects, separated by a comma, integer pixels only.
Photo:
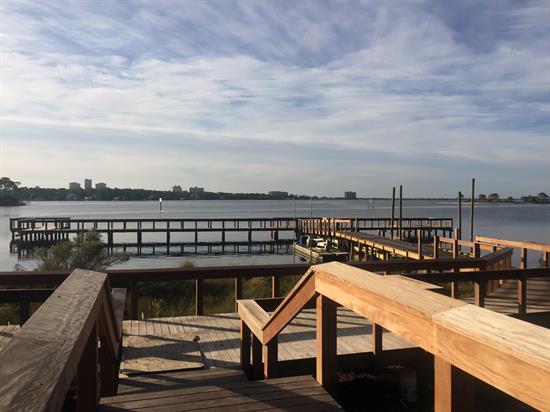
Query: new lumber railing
[
  {"x": 60, "y": 342},
  {"x": 504, "y": 352}
]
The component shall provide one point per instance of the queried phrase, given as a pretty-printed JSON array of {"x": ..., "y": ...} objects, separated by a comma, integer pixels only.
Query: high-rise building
[
  {"x": 99, "y": 186},
  {"x": 196, "y": 190},
  {"x": 350, "y": 195},
  {"x": 177, "y": 189},
  {"x": 74, "y": 186},
  {"x": 87, "y": 184}
]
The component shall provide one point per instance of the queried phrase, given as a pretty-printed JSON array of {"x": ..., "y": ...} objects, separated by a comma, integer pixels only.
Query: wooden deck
[
  {"x": 384, "y": 244},
  {"x": 219, "y": 335},
  {"x": 218, "y": 389}
]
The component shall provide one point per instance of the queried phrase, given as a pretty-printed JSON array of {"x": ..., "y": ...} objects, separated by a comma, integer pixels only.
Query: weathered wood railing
[
  {"x": 131, "y": 278},
  {"x": 59, "y": 342},
  {"x": 324, "y": 226},
  {"x": 506, "y": 353}
]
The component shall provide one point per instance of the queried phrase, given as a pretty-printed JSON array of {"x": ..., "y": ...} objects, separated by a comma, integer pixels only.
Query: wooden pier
[{"x": 193, "y": 236}]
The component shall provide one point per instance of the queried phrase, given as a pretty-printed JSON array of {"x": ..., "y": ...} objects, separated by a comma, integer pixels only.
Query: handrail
[
  {"x": 504, "y": 352},
  {"x": 537, "y": 246},
  {"x": 130, "y": 277},
  {"x": 60, "y": 341}
]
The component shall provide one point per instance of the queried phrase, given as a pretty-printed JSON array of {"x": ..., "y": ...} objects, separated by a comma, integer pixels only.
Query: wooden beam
[
  {"x": 246, "y": 335},
  {"x": 87, "y": 395},
  {"x": 199, "y": 297},
  {"x": 271, "y": 359},
  {"x": 326, "y": 344},
  {"x": 377, "y": 332},
  {"x": 453, "y": 388},
  {"x": 257, "y": 372}
]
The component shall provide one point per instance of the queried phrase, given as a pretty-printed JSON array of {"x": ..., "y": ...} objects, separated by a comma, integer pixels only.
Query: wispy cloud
[{"x": 383, "y": 81}]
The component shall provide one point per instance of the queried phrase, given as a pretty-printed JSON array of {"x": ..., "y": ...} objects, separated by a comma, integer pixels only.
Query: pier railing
[
  {"x": 60, "y": 342},
  {"x": 328, "y": 227},
  {"x": 466, "y": 341}
]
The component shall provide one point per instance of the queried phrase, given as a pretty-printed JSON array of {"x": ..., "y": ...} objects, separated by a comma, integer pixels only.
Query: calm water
[{"x": 517, "y": 222}]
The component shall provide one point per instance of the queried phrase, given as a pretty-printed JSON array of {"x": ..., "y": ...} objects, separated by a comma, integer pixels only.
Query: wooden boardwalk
[{"x": 383, "y": 244}]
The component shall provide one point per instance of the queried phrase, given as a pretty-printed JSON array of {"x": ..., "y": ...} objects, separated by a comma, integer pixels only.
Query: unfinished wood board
[{"x": 142, "y": 354}]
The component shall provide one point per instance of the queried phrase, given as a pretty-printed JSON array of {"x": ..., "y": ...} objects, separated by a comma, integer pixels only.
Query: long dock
[{"x": 181, "y": 236}]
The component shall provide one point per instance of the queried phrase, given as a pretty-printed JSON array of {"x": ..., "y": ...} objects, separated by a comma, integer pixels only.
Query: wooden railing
[
  {"x": 59, "y": 342},
  {"x": 324, "y": 226},
  {"x": 504, "y": 352},
  {"x": 132, "y": 278}
]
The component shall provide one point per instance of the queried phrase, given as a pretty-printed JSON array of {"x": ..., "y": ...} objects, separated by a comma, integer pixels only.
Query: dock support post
[
  {"x": 275, "y": 286},
  {"x": 326, "y": 344},
  {"x": 472, "y": 201},
  {"x": 400, "y": 212},
  {"x": 392, "y": 211},
  {"x": 459, "y": 231},
  {"x": 522, "y": 284}
]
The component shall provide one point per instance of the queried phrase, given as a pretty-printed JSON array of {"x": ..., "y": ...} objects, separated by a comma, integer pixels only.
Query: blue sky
[{"x": 307, "y": 97}]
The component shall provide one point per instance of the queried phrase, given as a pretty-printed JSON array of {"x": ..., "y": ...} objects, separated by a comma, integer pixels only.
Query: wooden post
[
  {"x": 270, "y": 359},
  {"x": 400, "y": 212},
  {"x": 392, "y": 210},
  {"x": 108, "y": 371},
  {"x": 275, "y": 286},
  {"x": 377, "y": 331},
  {"x": 436, "y": 247},
  {"x": 453, "y": 388},
  {"x": 459, "y": 200},
  {"x": 419, "y": 243},
  {"x": 199, "y": 297},
  {"x": 480, "y": 288},
  {"x": 522, "y": 284},
  {"x": 245, "y": 349},
  {"x": 238, "y": 291},
  {"x": 257, "y": 372},
  {"x": 545, "y": 259},
  {"x": 86, "y": 375},
  {"x": 454, "y": 285},
  {"x": 24, "y": 312},
  {"x": 133, "y": 300},
  {"x": 472, "y": 201},
  {"x": 326, "y": 344}
]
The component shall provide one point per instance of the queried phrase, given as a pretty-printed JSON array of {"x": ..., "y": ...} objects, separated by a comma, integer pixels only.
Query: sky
[{"x": 306, "y": 97}]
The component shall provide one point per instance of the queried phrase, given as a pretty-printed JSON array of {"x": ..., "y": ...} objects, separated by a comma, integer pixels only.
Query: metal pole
[
  {"x": 400, "y": 211},
  {"x": 459, "y": 233},
  {"x": 472, "y": 210},
  {"x": 392, "y": 210}
]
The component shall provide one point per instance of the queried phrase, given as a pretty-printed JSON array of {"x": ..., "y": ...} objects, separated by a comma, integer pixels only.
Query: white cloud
[{"x": 394, "y": 79}]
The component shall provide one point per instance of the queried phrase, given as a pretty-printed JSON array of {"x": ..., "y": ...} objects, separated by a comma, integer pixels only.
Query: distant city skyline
[{"x": 305, "y": 97}]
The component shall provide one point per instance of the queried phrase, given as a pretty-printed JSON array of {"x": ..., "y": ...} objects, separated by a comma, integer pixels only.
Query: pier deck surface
[{"x": 393, "y": 246}]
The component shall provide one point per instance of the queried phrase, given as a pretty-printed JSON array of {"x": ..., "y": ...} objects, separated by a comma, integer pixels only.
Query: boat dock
[{"x": 193, "y": 236}]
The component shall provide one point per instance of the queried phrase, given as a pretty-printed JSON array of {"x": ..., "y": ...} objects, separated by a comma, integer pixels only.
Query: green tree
[
  {"x": 493, "y": 196},
  {"x": 8, "y": 185},
  {"x": 482, "y": 197},
  {"x": 86, "y": 251}
]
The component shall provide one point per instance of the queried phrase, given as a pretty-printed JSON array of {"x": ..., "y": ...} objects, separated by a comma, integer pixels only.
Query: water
[{"x": 509, "y": 221}]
